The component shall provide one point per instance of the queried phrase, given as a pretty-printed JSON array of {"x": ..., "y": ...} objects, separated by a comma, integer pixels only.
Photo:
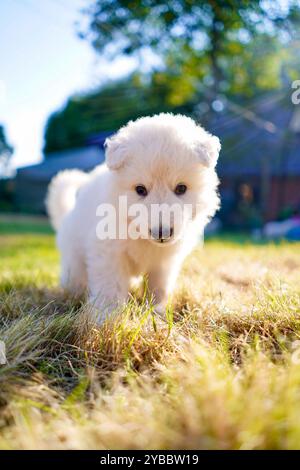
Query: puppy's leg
[
  {"x": 161, "y": 283},
  {"x": 73, "y": 272},
  {"x": 108, "y": 285},
  {"x": 73, "y": 277}
]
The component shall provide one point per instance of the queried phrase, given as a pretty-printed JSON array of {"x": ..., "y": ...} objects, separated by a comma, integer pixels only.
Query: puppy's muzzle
[{"x": 161, "y": 234}]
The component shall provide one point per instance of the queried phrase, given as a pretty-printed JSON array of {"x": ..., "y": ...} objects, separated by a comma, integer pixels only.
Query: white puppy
[{"x": 165, "y": 159}]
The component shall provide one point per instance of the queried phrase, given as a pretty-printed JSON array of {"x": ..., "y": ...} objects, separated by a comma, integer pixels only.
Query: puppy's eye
[
  {"x": 180, "y": 189},
  {"x": 141, "y": 190}
]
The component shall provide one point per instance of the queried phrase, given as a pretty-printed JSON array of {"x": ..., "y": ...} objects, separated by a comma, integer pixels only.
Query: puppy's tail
[{"x": 61, "y": 196}]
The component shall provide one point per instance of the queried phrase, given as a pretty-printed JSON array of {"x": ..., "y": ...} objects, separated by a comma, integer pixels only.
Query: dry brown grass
[{"x": 225, "y": 373}]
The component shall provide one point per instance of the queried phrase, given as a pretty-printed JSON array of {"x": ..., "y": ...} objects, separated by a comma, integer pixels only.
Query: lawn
[{"x": 222, "y": 373}]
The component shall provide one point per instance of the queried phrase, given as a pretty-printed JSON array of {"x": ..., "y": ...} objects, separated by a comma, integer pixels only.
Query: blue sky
[{"x": 42, "y": 62}]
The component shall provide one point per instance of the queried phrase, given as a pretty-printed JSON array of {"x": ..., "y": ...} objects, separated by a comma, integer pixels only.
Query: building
[
  {"x": 259, "y": 165},
  {"x": 32, "y": 181}
]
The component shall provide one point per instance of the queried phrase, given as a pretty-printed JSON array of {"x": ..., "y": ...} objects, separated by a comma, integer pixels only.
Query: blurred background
[{"x": 73, "y": 71}]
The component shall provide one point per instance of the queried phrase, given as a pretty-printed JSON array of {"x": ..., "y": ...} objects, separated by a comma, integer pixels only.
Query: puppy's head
[{"x": 166, "y": 165}]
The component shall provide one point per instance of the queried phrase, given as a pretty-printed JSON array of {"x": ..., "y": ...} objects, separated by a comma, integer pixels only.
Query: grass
[{"x": 223, "y": 373}]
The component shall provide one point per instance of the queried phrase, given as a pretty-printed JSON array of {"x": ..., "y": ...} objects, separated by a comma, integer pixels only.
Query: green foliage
[
  {"x": 219, "y": 40},
  {"x": 237, "y": 48},
  {"x": 106, "y": 109}
]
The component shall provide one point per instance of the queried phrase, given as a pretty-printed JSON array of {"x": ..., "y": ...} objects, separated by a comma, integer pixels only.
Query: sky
[{"x": 42, "y": 63}]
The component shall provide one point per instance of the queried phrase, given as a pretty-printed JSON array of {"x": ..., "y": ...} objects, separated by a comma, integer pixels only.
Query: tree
[
  {"x": 106, "y": 109},
  {"x": 6, "y": 152},
  {"x": 212, "y": 41},
  {"x": 234, "y": 47}
]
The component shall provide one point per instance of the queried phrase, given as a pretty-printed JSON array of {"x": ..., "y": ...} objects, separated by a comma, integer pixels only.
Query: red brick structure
[{"x": 261, "y": 156}]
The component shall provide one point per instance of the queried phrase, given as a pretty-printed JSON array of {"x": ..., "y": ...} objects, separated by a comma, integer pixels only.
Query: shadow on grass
[
  {"x": 16, "y": 224},
  {"x": 22, "y": 224},
  {"x": 244, "y": 238}
]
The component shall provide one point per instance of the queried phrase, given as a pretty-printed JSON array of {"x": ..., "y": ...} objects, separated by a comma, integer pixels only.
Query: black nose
[
  {"x": 171, "y": 232},
  {"x": 161, "y": 233}
]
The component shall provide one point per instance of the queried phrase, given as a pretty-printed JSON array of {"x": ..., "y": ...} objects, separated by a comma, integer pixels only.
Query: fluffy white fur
[{"x": 158, "y": 152}]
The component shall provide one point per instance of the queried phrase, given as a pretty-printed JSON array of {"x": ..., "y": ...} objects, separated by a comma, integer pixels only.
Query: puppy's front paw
[
  {"x": 161, "y": 311},
  {"x": 102, "y": 310}
]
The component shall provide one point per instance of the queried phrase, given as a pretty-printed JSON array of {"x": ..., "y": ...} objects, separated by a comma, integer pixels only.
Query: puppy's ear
[
  {"x": 115, "y": 152},
  {"x": 208, "y": 150}
]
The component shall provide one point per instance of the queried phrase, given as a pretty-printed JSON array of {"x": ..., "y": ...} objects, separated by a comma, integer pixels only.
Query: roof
[
  {"x": 265, "y": 136},
  {"x": 268, "y": 140},
  {"x": 83, "y": 159},
  {"x": 99, "y": 138}
]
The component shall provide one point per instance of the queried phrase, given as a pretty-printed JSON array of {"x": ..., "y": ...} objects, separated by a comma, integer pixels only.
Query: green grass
[
  {"x": 11, "y": 224},
  {"x": 223, "y": 373}
]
